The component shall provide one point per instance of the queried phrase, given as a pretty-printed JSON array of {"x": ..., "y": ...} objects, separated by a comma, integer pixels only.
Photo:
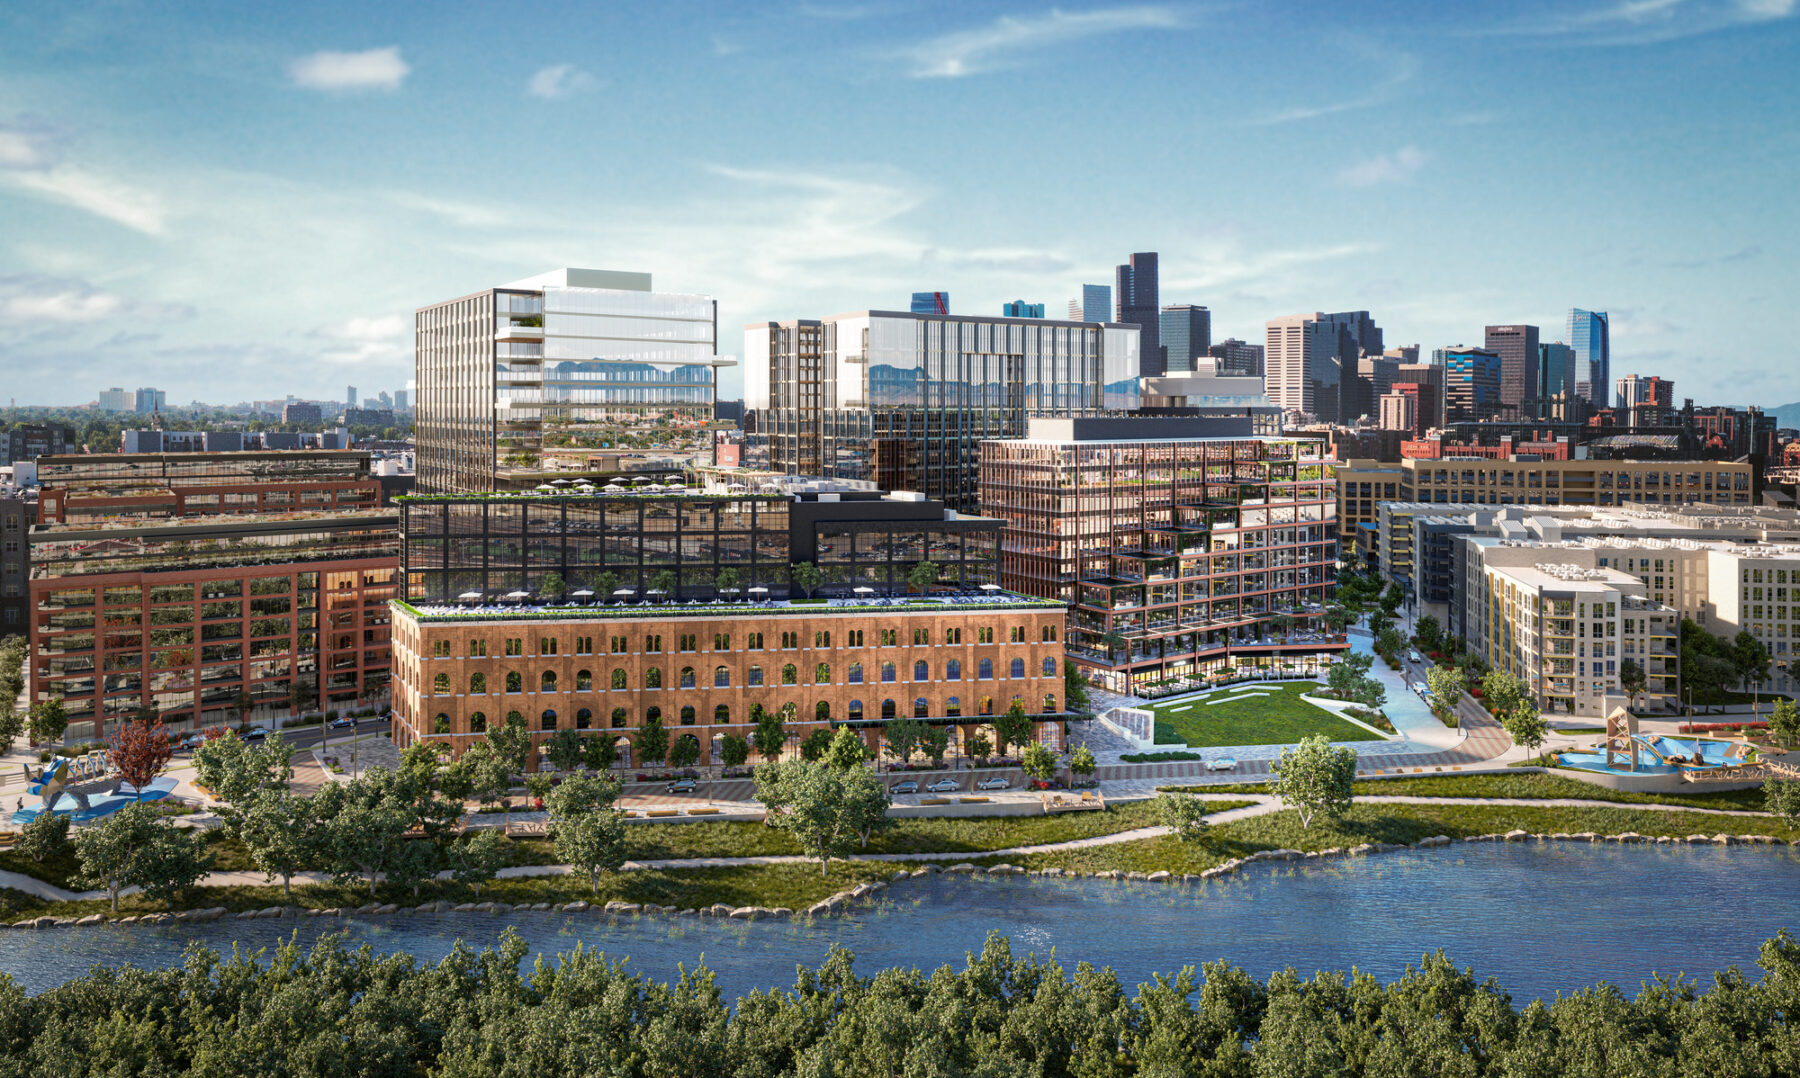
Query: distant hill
[{"x": 1786, "y": 415}]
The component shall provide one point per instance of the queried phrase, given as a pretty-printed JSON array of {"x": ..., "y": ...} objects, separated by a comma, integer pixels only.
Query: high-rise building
[
  {"x": 303, "y": 413},
  {"x": 1237, "y": 357},
  {"x": 905, "y": 400},
  {"x": 1135, "y": 295},
  {"x": 29, "y": 441},
  {"x": 349, "y": 396},
  {"x": 1635, "y": 390},
  {"x": 1517, "y": 347},
  {"x": 150, "y": 400},
  {"x": 400, "y": 400},
  {"x": 1186, "y": 332},
  {"x": 1590, "y": 334},
  {"x": 1309, "y": 358},
  {"x": 1095, "y": 304},
  {"x": 1400, "y": 410},
  {"x": 116, "y": 399},
  {"x": 1018, "y": 308},
  {"x": 557, "y": 374},
  {"x": 931, "y": 303},
  {"x": 1425, "y": 383},
  {"x": 1472, "y": 378},
  {"x": 1556, "y": 373}
]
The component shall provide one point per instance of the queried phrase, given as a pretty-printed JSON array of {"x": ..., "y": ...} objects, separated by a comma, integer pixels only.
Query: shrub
[{"x": 1158, "y": 757}]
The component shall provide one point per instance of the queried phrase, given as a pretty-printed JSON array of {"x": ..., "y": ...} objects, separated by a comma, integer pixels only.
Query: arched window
[
  {"x": 687, "y": 677},
  {"x": 618, "y": 718},
  {"x": 822, "y": 675},
  {"x": 618, "y": 678},
  {"x": 921, "y": 708},
  {"x": 548, "y": 682},
  {"x": 584, "y": 719},
  {"x": 584, "y": 681},
  {"x": 855, "y": 710},
  {"x": 985, "y": 670},
  {"x": 477, "y": 684},
  {"x": 1050, "y": 707},
  {"x": 513, "y": 718},
  {"x": 478, "y": 723},
  {"x": 854, "y": 676},
  {"x": 722, "y": 714},
  {"x": 754, "y": 675},
  {"x": 653, "y": 678},
  {"x": 441, "y": 684},
  {"x": 987, "y": 705},
  {"x": 547, "y": 720},
  {"x": 441, "y": 724},
  {"x": 1049, "y": 667},
  {"x": 954, "y": 707},
  {"x": 822, "y": 711},
  {"x": 887, "y": 709},
  {"x": 887, "y": 671},
  {"x": 953, "y": 670},
  {"x": 653, "y": 714},
  {"x": 921, "y": 671},
  {"x": 687, "y": 715},
  {"x": 1018, "y": 668},
  {"x": 721, "y": 678},
  {"x": 514, "y": 683},
  {"x": 789, "y": 675}
]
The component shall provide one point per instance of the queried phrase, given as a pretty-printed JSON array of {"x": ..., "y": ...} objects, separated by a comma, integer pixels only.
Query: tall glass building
[
  {"x": 1095, "y": 304},
  {"x": 1186, "y": 332},
  {"x": 1136, "y": 295},
  {"x": 561, "y": 373},
  {"x": 1591, "y": 337}
]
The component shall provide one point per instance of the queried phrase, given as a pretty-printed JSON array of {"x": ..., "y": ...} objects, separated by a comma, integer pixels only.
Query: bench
[{"x": 661, "y": 813}]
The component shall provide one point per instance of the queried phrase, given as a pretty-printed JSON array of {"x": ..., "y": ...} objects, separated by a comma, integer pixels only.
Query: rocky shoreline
[{"x": 839, "y": 902}]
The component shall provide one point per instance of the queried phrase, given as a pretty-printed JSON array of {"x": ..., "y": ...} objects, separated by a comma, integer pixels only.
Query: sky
[{"x": 241, "y": 201}]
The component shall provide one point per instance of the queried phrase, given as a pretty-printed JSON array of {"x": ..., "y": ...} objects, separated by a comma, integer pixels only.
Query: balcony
[{"x": 518, "y": 331}]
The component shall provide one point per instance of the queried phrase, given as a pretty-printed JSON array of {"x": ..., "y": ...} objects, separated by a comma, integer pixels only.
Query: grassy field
[
  {"x": 1526, "y": 786},
  {"x": 1277, "y": 719}
]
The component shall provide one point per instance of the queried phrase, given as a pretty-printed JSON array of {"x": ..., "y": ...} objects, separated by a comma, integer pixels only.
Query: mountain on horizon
[{"x": 1786, "y": 415}]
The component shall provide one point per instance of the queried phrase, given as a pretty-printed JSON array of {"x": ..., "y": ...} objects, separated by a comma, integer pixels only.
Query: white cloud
[
  {"x": 29, "y": 299},
  {"x": 99, "y": 195},
  {"x": 375, "y": 69},
  {"x": 1402, "y": 69},
  {"x": 1647, "y": 22},
  {"x": 1396, "y": 167},
  {"x": 25, "y": 143},
  {"x": 558, "y": 81},
  {"x": 1002, "y": 43},
  {"x": 367, "y": 339}
]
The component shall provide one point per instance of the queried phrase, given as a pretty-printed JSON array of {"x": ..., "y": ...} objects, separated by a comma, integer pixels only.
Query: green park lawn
[{"x": 1277, "y": 719}]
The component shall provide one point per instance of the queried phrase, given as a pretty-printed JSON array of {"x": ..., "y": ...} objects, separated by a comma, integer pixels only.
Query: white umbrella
[
  {"x": 990, "y": 587},
  {"x": 864, "y": 591},
  {"x": 470, "y": 595},
  {"x": 518, "y": 595},
  {"x": 581, "y": 591},
  {"x": 759, "y": 590},
  {"x": 624, "y": 591}
]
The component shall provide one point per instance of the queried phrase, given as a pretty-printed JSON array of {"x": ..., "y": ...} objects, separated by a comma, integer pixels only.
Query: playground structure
[
  {"x": 1627, "y": 751},
  {"x": 58, "y": 788}
]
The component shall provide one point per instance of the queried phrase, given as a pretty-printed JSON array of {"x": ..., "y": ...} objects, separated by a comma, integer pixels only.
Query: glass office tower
[
  {"x": 1186, "y": 336},
  {"x": 1591, "y": 337}
]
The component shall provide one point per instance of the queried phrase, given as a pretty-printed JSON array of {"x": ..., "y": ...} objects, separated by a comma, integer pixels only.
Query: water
[{"x": 1540, "y": 917}]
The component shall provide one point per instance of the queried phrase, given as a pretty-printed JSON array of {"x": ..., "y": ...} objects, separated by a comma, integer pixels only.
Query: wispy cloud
[
  {"x": 560, "y": 81},
  {"x": 374, "y": 69},
  {"x": 1396, "y": 167},
  {"x": 1402, "y": 69},
  {"x": 369, "y": 339},
  {"x": 1647, "y": 22},
  {"x": 1009, "y": 39},
  {"x": 34, "y": 300},
  {"x": 27, "y": 142},
  {"x": 31, "y": 163}
]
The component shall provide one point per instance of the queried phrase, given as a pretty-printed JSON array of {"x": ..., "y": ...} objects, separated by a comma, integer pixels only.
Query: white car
[
  {"x": 1414, "y": 656},
  {"x": 998, "y": 782},
  {"x": 944, "y": 786},
  {"x": 1222, "y": 763},
  {"x": 1421, "y": 688}
]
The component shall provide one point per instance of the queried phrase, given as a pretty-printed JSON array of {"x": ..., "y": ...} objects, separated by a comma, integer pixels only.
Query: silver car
[
  {"x": 944, "y": 786},
  {"x": 998, "y": 782},
  {"x": 910, "y": 786}
]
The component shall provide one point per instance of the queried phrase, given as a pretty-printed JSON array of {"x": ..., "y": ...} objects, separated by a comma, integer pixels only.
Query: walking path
[{"x": 1264, "y": 804}]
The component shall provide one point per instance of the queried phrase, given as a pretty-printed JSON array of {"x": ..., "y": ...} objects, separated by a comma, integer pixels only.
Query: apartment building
[{"x": 155, "y": 486}]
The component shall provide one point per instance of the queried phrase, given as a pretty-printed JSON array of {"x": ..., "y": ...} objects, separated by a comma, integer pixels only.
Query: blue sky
[{"x": 239, "y": 201}]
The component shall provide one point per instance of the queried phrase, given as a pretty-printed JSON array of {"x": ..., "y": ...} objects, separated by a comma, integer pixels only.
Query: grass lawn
[
  {"x": 1277, "y": 719},
  {"x": 1523, "y": 786}
]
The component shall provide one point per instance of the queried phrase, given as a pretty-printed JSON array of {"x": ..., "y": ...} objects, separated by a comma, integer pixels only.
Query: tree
[
  {"x": 1502, "y": 692},
  {"x": 139, "y": 751},
  {"x": 1784, "y": 721},
  {"x": 1752, "y": 662},
  {"x": 512, "y": 743},
  {"x": 233, "y": 768},
  {"x": 12, "y": 723},
  {"x": 684, "y": 752},
  {"x": 823, "y": 807},
  {"x": 538, "y": 785},
  {"x": 606, "y": 582},
  {"x": 137, "y": 847},
  {"x": 903, "y": 737},
  {"x": 664, "y": 583},
  {"x": 1782, "y": 798},
  {"x": 1346, "y": 675},
  {"x": 48, "y": 721},
  {"x": 1633, "y": 680},
  {"x": 478, "y": 857},
  {"x": 563, "y": 750},
  {"x": 1389, "y": 641},
  {"x": 1082, "y": 762},
  {"x": 1446, "y": 686},
  {"x": 1336, "y": 619},
  {"x": 1075, "y": 688},
  {"x": 923, "y": 577},
  {"x": 652, "y": 742},
  {"x": 363, "y": 828},
  {"x": 770, "y": 736},
  {"x": 815, "y": 745},
  {"x": 935, "y": 743},
  {"x": 1012, "y": 728},
  {"x": 1377, "y": 622},
  {"x": 551, "y": 585},
  {"x": 847, "y": 750},
  {"x": 46, "y": 837},
  {"x": 486, "y": 776},
  {"x": 805, "y": 576},
  {"x": 1392, "y": 598},
  {"x": 1429, "y": 631},
  {"x": 727, "y": 581},
  {"x": 978, "y": 745},
  {"x": 1183, "y": 815},
  {"x": 1040, "y": 761},
  {"x": 1523, "y": 723},
  {"x": 281, "y": 833},
  {"x": 1280, "y": 624},
  {"x": 586, "y": 832},
  {"x": 734, "y": 749},
  {"x": 599, "y": 752},
  {"x": 1316, "y": 778}
]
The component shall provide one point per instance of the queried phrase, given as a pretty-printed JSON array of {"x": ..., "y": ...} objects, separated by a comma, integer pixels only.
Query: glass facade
[
  {"x": 1590, "y": 334},
  {"x": 1471, "y": 384},
  {"x": 1186, "y": 336}
]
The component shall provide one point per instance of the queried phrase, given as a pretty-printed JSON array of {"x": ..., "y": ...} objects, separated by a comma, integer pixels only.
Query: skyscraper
[
  {"x": 350, "y": 396},
  {"x": 1556, "y": 382},
  {"x": 1591, "y": 337},
  {"x": 1095, "y": 304},
  {"x": 931, "y": 303},
  {"x": 1186, "y": 332},
  {"x": 1310, "y": 362},
  {"x": 1472, "y": 379},
  {"x": 151, "y": 400},
  {"x": 1518, "y": 350},
  {"x": 1018, "y": 308},
  {"x": 1238, "y": 357},
  {"x": 1136, "y": 297}
]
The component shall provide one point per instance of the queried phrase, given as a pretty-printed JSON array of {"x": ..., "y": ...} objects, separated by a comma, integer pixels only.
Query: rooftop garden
[{"x": 538, "y": 610}]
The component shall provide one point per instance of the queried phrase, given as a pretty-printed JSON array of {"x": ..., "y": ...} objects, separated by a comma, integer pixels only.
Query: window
[
  {"x": 687, "y": 715},
  {"x": 515, "y": 646},
  {"x": 921, "y": 636},
  {"x": 547, "y": 721},
  {"x": 984, "y": 636},
  {"x": 441, "y": 684},
  {"x": 1018, "y": 634},
  {"x": 1050, "y": 704},
  {"x": 721, "y": 678},
  {"x": 887, "y": 672},
  {"x": 1049, "y": 634},
  {"x": 548, "y": 682},
  {"x": 618, "y": 679},
  {"x": 855, "y": 710},
  {"x": 584, "y": 681},
  {"x": 514, "y": 683},
  {"x": 441, "y": 724},
  {"x": 753, "y": 642},
  {"x": 984, "y": 670},
  {"x": 478, "y": 649},
  {"x": 887, "y": 709},
  {"x": 890, "y": 638},
  {"x": 689, "y": 641},
  {"x": 921, "y": 671},
  {"x": 953, "y": 670},
  {"x": 584, "y": 645},
  {"x": 854, "y": 638},
  {"x": 584, "y": 719},
  {"x": 822, "y": 712},
  {"x": 790, "y": 675},
  {"x": 653, "y": 715},
  {"x": 722, "y": 714},
  {"x": 546, "y": 645},
  {"x": 653, "y": 678},
  {"x": 478, "y": 723},
  {"x": 954, "y": 707},
  {"x": 1049, "y": 667},
  {"x": 952, "y": 636},
  {"x": 854, "y": 675},
  {"x": 440, "y": 649},
  {"x": 687, "y": 677},
  {"x": 477, "y": 684},
  {"x": 617, "y": 646},
  {"x": 921, "y": 708},
  {"x": 790, "y": 640},
  {"x": 987, "y": 705},
  {"x": 653, "y": 644},
  {"x": 822, "y": 638},
  {"x": 618, "y": 718},
  {"x": 721, "y": 641},
  {"x": 753, "y": 676}
]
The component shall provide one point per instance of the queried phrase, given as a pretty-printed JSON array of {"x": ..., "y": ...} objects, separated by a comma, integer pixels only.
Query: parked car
[
  {"x": 998, "y": 782},
  {"x": 1414, "y": 656},
  {"x": 256, "y": 733},
  {"x": 682, "y": 786},
  {"x": 343, "y": 723},
  {"x": 192, "y": 741},
  {"x": 1222, "y": 763},
  {"x": 910, "y": 786},
  {"x": 1422, "y": 689},
  {"x": 944, "y": 786}
]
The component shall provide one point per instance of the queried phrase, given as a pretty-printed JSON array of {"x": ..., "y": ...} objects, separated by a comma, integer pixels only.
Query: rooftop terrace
[{"x": 528, "y": 609}]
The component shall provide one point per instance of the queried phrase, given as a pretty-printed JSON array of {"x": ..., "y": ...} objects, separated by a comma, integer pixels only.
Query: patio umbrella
[
  {"x": 759, "y": 590},
  {"x": 469, "y": 596},
  {"x": 864, "y": 591},
  {"x": 624, "y": 591}
]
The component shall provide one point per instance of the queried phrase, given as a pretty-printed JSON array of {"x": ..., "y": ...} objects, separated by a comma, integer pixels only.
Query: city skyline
[{"x": 237, "y": 204}]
